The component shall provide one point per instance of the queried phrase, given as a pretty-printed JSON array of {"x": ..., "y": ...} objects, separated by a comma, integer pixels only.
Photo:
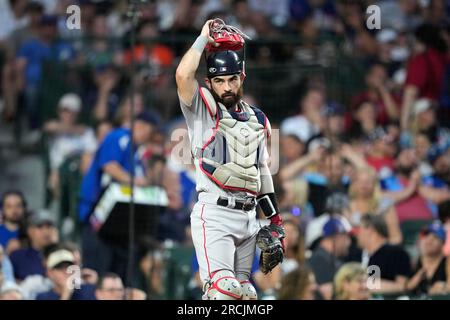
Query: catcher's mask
[{"x": 223, "y": 63}]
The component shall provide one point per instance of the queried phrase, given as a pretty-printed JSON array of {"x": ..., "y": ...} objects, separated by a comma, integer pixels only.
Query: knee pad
[
  {"x": 223, "y": 286},
  {"x": 248, "y": 291}
]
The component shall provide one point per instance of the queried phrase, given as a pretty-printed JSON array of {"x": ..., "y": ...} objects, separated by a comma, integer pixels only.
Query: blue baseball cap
[
  {"x": 334, "y": 226},
  {"x": 436, "y": 229}
]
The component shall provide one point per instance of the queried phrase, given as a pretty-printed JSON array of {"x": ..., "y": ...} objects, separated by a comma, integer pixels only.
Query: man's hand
[
  {"x": 141, "y": 182},
  {"x": 206, "y": 32}
]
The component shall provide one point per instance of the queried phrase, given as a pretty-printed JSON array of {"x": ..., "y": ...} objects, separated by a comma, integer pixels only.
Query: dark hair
[
  {"x": 444, "y": 211},
  {"x": 110, "y": 275},
  {"x": 35, "y": 6},
  {"x": 294, "y": 284},
  {"x": 431, "y": 36},
  {"x": 14, "y": 193},
  {"x": 376, "y": 222}
]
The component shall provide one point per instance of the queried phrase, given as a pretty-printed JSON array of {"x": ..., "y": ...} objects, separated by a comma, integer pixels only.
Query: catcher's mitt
[
  {"x": 228, "y": 37},
  {"x": 268, "y": 240}
]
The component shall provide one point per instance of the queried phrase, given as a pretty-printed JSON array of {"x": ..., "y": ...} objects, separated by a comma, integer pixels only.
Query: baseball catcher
[{"x": 228, "y": 140}]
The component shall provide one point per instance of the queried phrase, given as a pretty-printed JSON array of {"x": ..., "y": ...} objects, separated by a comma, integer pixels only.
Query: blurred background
[{"x": 364, "y": 143}]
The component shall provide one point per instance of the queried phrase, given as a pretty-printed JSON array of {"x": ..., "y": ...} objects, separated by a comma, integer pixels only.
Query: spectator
[
  {"x": 110, "y": 287},
  {"x": 88, "y": 276},
  {"x": 350, "y": 283},
  {"x": 106, "y": 92},
  {"x": 422, "y": 145},
  {"x": 326, "y": 257},
  {"x": 363, "y": 121},
  {"x": 34, "y": 12},
  {"x": 41, "y": 232},
  {"x": 366, "y": 198},
  {"x": 334, "y": 127},
  {"x": 112, "y": 159},
  {"x": 30, "y": 59},
  {"x": 425, "y": 71},
  {"x": 66, "y": 137},
  {"x": 146, "y": 51},
  {"x": 36, "y": 284},
  {"x": 102, "y": 129},
  {"x": 98, "y": 50},
  {"x": 436, "y": 187},
  {"x": 13, "y": 215},
  {"x": 10, "y": 291},
  {"x": 328, "y": 174},
  {"x": 444, "y": 217},
  {"x": 378, "y": 153},
  {"x": 123, "y": 114},
  {"x": 310, "y": 121},
  {"x": 377, "y": 93},
  {"x": 298, "y": 284},
  {"x": 291, "y": 147},
  {"x": 425, "y": 122},
  {"x": 151, "y": 270},
  {"x": 6, "y": 270},
  {"x": 20, "y": 32},
  {"x": 59, "y": 265},
  {"x": 432, "y": 272},
  {"x": 392, "y": 261},
  {"x": 12, "y": 16},
  {"x": 403, "y": 188}
]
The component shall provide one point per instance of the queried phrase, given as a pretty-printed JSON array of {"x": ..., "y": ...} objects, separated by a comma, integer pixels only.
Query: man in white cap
[
  {"x": 67, "y": 137},
  {"x": 62, "y": 271}
]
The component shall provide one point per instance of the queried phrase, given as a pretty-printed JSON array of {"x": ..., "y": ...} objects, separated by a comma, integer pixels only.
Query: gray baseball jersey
[{"x": 224, "y": 238}]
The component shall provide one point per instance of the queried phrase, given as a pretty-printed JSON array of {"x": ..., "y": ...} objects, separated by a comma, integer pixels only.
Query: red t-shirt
[
  {"x": 380, "y": 107},
  {"x": 413, "y": 208},
  {"x": 379, "y": 163},
  {"x": 426, "y": 72}
]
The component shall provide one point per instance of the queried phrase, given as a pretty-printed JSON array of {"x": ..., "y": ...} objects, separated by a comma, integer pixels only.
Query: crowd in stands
[{"x": 363, "y": 183}]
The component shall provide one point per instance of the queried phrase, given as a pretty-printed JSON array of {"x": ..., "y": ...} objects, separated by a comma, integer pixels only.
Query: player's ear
[
  {"x": 208, "y": 83},
  {"x": 242, "y": 76}
]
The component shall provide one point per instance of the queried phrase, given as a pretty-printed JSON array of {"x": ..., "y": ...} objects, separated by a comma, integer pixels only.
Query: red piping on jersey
[
  {"x": 222, "y": 185},
  {"x": 206, "y": 103},
  {"x": 211, "y": 139},
  {"x": 204, "y": 147},
  {"x": 204, "y": 242}
]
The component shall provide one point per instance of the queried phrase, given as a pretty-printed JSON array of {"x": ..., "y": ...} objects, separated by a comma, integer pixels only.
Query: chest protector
[{"x": 230, "y": 157}]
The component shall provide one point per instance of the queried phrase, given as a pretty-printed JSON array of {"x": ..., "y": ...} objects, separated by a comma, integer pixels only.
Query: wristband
[
  {"x": 200, "y": 43},
  {"x": 268, "y": 204}
]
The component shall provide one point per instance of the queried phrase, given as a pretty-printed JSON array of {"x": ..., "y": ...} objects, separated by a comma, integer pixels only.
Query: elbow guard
[{"x": 268, "y": 204}]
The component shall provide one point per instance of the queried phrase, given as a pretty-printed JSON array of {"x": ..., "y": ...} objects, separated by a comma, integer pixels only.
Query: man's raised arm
[{"x": 185, "y": 74}]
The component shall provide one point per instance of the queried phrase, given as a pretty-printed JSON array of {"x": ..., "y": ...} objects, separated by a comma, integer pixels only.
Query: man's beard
[
  {"x": 229, "y": 100},
  {"x": 405, "y": 170},
  {"x": 13, "y": 220}
]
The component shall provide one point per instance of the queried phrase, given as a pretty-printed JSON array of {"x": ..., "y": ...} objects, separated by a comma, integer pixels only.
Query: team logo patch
[
  {"x": 244, "y": 132},
  {"x": 212, "y": 70},
  {"x": 223, "y": 69}
]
